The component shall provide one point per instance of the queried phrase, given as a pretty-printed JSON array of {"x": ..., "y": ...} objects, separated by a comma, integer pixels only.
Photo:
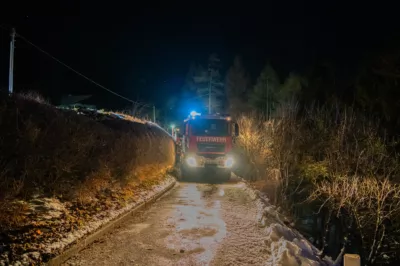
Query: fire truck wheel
[
  {"x": 225, "y": 176},
  {"x": 185, "y": 174}
]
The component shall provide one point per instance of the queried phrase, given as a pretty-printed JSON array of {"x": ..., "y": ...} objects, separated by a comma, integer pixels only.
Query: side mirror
[{"x": 236, "y": 130}]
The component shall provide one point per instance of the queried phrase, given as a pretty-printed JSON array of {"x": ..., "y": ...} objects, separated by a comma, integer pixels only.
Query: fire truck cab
[{"x": 207, "y": 142}]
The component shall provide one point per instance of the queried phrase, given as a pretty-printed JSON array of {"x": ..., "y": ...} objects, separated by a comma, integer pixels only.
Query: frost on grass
[
  {"x": 50, "y": 208},
  {"x": 55, "y": 225},
  {"x": 103, "y": 218}
]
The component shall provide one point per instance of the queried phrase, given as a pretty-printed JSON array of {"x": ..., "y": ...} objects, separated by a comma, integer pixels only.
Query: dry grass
[
  {"x": 50, "y": 152},
  {"x": 13, "y": 214},
  {"x": 336, "y": 160},
  {"x": 255, "y": 144},
  {"x": 373, "y": 206}
]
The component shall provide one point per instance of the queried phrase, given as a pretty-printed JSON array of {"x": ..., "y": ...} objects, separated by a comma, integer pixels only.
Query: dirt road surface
[{"x": 194, "y": 224}]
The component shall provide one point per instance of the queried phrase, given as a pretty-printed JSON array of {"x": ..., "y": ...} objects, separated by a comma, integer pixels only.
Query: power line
[
  {"x": 73, "y": 70},
  {"x": 76, "y": 72},
  {"x": 80, "y": 74}
]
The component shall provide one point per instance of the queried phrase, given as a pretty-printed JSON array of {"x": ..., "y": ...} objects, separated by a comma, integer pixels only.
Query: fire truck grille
[{"x": 210, "y": 147}]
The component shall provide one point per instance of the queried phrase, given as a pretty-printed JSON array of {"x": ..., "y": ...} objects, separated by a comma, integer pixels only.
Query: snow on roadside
[
  {"x": 290, "y": 248},
  {"x": 105, "y": 217},
  {"x": 54, "y": 208},
  {"x": 286, "y": 245}
]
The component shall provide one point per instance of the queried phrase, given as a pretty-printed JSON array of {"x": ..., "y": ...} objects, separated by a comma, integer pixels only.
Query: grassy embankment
[{"x": 85, "y": 164}]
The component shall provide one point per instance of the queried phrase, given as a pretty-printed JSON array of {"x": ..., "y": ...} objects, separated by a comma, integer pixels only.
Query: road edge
[
  {"x": 93, "y": 236},
  {"x": 263, "y": 203}
]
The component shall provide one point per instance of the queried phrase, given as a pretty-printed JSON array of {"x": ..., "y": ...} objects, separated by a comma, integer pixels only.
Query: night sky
[{"x": 144, "y": 52}]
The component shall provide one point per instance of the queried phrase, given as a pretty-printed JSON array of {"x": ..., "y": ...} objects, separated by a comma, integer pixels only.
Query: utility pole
[
  {"x": 11, "y": 70},
  {"x": 267, "y": 104},
  {"x": 209, "y": 91},
  {"x": 154, "y": 113}
]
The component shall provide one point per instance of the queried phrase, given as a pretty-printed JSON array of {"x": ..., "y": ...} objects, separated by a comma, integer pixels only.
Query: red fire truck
[{"x": 207, "y": 142}]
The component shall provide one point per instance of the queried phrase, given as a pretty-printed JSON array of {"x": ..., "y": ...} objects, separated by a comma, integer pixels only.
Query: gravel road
[{"x": 194, "y": 224}]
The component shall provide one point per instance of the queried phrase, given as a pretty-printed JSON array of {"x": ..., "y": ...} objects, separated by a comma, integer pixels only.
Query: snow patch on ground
[
  {"x": 290, "y": 248},
  {"x": 103, "y": 218},
  {"x": 286, "y": 245},
  {"x": 52, "y": 208}
]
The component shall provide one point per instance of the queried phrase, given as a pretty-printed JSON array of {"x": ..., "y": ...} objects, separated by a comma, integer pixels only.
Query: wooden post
[{"x": 352, "y": 260}]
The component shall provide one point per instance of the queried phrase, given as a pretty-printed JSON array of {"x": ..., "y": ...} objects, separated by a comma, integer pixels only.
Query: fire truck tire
[
  {"x": 225, "y": 176},
  {"x": 185, "y": 174}
]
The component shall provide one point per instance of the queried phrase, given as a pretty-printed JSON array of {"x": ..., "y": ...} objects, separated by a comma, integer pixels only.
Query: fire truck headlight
[
  {"x": 229, "y": 162},
  {"x": 191, "y": 161}
]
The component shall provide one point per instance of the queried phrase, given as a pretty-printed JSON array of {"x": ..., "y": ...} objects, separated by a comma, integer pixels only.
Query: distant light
[
  {"x": 193, "y": 114},
  {"x": 228, "y": 118},
  {"x": 172, "y": 126}
]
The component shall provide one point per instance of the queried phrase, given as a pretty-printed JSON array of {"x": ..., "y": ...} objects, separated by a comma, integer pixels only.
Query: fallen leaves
[{"x": 48, "y": 220}]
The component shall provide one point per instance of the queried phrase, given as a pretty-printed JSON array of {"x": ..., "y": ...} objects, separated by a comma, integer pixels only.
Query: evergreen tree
[
  {"x": 264, "y": 96},
  {"x": 237, "y": 84},
  {"x": 200, "y": 81},
  {"x": 209, "y": 87},
  {"x": 291, "y": 88}
]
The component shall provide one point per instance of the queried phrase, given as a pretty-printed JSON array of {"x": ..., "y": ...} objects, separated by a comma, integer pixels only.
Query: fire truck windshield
[{"x": 209, "y": 127}]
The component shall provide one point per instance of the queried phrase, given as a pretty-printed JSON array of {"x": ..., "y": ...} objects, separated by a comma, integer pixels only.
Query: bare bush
[
  {"x": 339, "y": 163},
  {"x": 254, "y": 142},
  {"x": 351, "y": 164},
  {"x": 372, "y": 205}
]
